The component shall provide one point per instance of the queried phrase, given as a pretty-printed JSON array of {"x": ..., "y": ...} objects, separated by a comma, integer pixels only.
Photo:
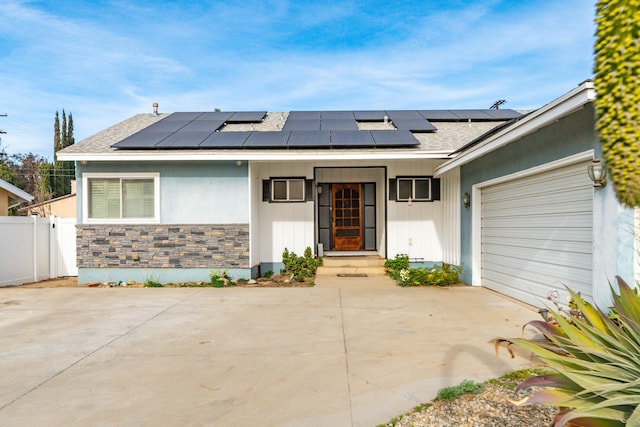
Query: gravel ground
[{"x": 488, "y": 409}]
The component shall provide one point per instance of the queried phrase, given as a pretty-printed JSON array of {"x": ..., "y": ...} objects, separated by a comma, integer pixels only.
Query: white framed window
[
  {"x": 288, "y": 189},
  {"x": 121, "y": 197},
  {"x": 414, "y": 188}
]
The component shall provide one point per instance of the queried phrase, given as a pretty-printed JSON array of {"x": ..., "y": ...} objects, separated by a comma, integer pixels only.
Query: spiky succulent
[
  {"x": 596, "y": 362},
  {"x": 617, "y": 84}
]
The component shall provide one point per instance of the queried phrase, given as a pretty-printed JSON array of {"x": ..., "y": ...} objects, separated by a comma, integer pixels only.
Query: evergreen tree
[
  {"x": 63, "y": 130},
  {"x": 617, "y": 83},
  {"x": 58, "y": 175},
  {"x": 57, "y": 141},
  {"x": 70, "y": 139}
]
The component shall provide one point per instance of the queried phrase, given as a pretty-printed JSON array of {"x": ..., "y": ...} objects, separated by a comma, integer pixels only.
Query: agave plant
[{"x": 596, "y": 362}]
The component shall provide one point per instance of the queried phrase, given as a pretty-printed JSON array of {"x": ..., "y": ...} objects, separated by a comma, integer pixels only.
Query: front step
[{"x": 351, "y": 265}]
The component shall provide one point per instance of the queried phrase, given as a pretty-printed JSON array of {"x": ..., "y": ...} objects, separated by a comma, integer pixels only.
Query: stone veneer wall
[{"x": 163, "y": 246}]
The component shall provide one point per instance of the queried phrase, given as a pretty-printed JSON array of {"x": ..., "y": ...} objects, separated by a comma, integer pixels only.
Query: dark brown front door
[{"x": 347, "y": 217}]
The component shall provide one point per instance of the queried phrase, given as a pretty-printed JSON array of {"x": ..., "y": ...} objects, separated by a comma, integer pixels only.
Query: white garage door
[{"x": 537, "y": 235}]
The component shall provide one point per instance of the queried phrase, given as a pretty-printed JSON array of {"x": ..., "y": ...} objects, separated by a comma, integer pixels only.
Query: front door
[{"x": 347, "y": 217}]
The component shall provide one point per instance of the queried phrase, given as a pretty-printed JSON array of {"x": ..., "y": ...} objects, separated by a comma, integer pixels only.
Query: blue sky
[{"x": 106, "y": 61}]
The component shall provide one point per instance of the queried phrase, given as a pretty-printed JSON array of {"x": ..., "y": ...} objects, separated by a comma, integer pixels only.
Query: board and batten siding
[
  {"x": 451, "y": 205},
  {"x": 417, "y": 229},
  {"x": 537, "y": 235},
  {"x": 282, "y": 225}
]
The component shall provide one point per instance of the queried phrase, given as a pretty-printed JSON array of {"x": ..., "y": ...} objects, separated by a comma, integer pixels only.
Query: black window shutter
[
  {"x": 308, "y": 191},
  {"x": 266, "y": 190},
  {"x": 435, "y": 189},
  {"x": 392, "y": 189}
]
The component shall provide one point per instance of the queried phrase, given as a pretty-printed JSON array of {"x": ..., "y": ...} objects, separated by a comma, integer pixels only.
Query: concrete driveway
[{"x": 348, "y": 352}]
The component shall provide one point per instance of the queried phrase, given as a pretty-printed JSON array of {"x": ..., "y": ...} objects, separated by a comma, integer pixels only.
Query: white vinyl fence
[{"x": 34, "y": 249}]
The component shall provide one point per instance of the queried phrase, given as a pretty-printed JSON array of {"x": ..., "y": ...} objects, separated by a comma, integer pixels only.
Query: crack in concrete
[{"x": 346, "y": 357}]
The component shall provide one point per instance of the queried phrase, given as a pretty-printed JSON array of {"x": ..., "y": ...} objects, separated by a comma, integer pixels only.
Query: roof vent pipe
[{"x": 155, "y": 108}]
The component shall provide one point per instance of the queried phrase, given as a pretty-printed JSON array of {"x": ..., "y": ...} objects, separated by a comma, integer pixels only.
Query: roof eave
[
  {"x": 177, "y": 155},
  {"x": 555, "y": 110},
  {"x": 18, "y": 194}
]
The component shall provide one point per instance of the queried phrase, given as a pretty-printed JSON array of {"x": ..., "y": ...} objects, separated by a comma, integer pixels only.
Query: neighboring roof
[
  {"x": 185, "y": 136},
  {"x": 553, "y": 111},
  {"x": 15, "y": 194},
  {"x": 46, "y": 202}
]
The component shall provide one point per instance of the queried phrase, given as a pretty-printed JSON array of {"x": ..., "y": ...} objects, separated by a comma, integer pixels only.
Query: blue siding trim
[
  {"x": 271, "y": 266},
  {"x": 163, "y": 275}
]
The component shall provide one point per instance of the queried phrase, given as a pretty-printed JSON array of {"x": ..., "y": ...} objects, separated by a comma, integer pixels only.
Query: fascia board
[
  {"x": 15, "y": 191},
  {"x": 555, "y": 110},
  {"x": 177, "y": 156}
]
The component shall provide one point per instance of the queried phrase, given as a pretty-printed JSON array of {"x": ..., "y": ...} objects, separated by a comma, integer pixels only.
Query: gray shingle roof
[{"x": 448, "y": 137}]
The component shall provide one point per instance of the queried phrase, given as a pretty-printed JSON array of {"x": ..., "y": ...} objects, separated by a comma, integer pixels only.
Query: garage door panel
[
  {"x": 537, "y": 272},
  {"x": 575, "y": 220},
  {"x": 537, "y": 234},
  {"x": 515, "y": 256},
  {"x": 563, "y": 178},
  {"x": 526, "y": 245},
  {"x": 531, "y": 292},
  {"x": 566, "y": 234},
  {"x": 557, "y": 203}
]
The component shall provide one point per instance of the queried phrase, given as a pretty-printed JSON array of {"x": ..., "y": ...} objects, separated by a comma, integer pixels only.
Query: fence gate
[{"x": 63, "y": 247}]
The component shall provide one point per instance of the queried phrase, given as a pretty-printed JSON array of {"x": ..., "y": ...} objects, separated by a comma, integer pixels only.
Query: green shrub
[
  {"x": 300, "y": 267},
  {"x": 400, "y": 262},
  {"x": 152, "y": 282},
  {"x": 465, "y": 387},
  {"x": 595, "y": 359},
  {"x": 444, "y": 275},
  {"x": 217, "y": 278},
  {"x": 268, "y": 274}
]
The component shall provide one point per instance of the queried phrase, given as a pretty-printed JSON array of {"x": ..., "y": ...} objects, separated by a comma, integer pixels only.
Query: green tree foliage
[
  {"x": 617, "y": 83},
  {"x": 57, "y": 176}
]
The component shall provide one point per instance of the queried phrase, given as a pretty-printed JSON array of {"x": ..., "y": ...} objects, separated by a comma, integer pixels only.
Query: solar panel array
[
  {"x": 303, "y": 129},
  {"x": 280, "y": 139}
]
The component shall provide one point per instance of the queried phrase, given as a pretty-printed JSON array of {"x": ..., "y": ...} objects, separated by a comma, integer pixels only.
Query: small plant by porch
[{"x": 442, "y": 275}]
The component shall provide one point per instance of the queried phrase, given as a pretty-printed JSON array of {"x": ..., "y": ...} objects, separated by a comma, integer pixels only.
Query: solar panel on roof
[
  {"x": 335, "y": 124},
  {"x": 369, "y": 116},
  {"x": 202, "y": 125},
  {"x": 225, "y": 140},
  {"x": 394, "y": 138},
  {"x": 301, "y": 125},
  {"x": 338, "y": 115},
  {"x": 304, "y": 115},
  {"x": 164, "y": 126},
  {"x": 309, "y": 139},
  {"x": 140, "y": 141},
  {"x": 184, "y": 139},
  {"x": 267, "y": 139},
  {"x": 184, "y": 116},
  {"x": 504, "y": 114},
  {"x": 415, "y": 125},
  {"x": 444, "y": 115},
  {"x": 247, "y": 117},
  {"x": 215, "y": 115},
  {"x": 351, "y": 138},
  {"x": 472, "y": 114},
  {"x": 403, "y": 114}
]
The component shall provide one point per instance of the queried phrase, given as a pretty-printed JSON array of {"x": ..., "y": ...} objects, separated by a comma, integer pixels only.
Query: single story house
[
  {"x": 11, "y": 197},
  {"x": 61, "y": 207},
  {"x": 503, "y": 193}
]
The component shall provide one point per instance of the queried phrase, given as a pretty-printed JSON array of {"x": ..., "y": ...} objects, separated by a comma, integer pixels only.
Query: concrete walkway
[{"x": 348, "y": 352}]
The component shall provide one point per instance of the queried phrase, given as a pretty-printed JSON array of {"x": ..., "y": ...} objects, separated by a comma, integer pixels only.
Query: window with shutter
[{"x": 121, "y": 197}]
